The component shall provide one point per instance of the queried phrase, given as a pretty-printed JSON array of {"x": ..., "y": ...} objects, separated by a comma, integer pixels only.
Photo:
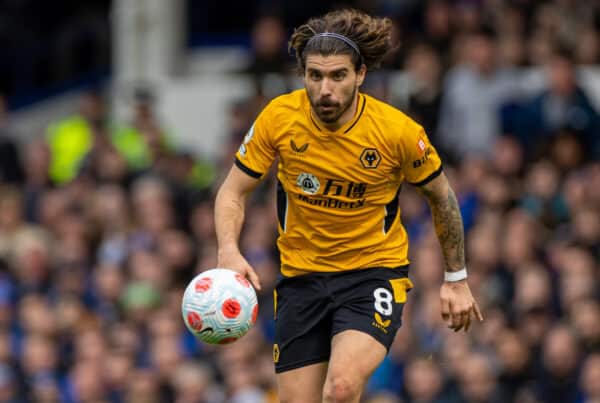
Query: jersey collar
[{"x": 362, "y": 101}]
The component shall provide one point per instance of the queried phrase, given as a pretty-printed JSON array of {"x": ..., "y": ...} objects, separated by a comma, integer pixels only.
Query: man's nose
[{"x": 326, "y": 87}]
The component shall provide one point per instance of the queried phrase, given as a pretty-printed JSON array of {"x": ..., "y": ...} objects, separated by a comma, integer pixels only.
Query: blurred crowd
[{"x": 103, "y": 223}]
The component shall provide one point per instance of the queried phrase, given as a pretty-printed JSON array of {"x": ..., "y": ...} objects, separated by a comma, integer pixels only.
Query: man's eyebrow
[{"x": 340, "y": 70}]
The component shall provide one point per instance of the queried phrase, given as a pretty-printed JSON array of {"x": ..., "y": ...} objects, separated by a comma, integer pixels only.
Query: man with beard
[{"x": 344, "y": 252}]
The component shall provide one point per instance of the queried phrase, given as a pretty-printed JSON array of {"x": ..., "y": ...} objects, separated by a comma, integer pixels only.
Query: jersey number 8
[{"x": 383, "y": 301}]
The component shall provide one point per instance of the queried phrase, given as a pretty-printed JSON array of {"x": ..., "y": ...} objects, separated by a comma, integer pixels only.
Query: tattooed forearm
[{"x": 448, "y": 223}]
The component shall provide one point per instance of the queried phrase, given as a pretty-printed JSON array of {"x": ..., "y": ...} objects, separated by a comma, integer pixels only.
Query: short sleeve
[
  {"x": 421, "y": 162},
  {"x": 256, "y": 153}
]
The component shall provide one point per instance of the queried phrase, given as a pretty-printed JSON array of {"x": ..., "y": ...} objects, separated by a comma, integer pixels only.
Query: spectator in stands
[
  {"x": 270, "y": 63},
  {"x": 515, "y": 363},
  {"x": 84, "y": 383},
  {"x": 587, "y": 46},
  {"x": 425, "y": 382},
  {"x": 474, "y": 90},
  {"x": 70, "y": 139},
  {"x": 89, "y": 143},
  {"x": 424, "y": 67},
  {"x": 479, "y": 381},
  {"x": 563, "y": 105},
  {"x": 39, "y": 358},
  {"x": 193, "y": 382},
  {"x": 557, "y": 383},
  {"x": 589, "y": 385},
  {"x": 542, "y": 198},
  {"x": 438, "y": 29},
  {"x": 585, "y": 318},
  {"x": 510, "y": 22},
  {"x": 143, "y": 387},
  {"x": 143, "y": 141},
  {"x": 36, "y": 159}
]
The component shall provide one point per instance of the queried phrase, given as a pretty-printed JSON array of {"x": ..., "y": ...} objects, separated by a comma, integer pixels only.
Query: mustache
[{"x": 327, "y": 103}]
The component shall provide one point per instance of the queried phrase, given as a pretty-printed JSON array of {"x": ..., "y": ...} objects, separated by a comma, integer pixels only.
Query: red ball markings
[
  {"x": 231, "y": 308},
  {"x": 242, "y": 280},
  {"x": 254, "y": 313},
  {"x": 203, "y": 284},
  {"x": 194, "y": 320}
]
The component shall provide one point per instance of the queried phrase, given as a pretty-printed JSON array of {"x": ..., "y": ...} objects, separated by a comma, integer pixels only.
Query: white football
[{"x": 219, "y": 306}]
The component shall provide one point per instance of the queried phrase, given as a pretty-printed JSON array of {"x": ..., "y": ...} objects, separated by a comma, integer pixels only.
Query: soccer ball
[{"x": 219, "y": 306}]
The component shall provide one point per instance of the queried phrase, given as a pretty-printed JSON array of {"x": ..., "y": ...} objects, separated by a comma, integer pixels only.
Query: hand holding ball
[{"x": 219, "y": 306}]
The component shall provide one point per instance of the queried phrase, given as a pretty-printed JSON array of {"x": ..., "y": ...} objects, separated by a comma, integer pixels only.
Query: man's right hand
[{"x": 232, "y": 259}]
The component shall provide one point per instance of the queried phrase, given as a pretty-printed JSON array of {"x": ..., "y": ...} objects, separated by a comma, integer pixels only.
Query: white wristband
[{"x": 452, "y": 276}]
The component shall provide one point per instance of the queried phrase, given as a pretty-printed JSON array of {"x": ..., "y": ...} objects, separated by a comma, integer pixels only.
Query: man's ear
[{"x": 360, "y": 75}]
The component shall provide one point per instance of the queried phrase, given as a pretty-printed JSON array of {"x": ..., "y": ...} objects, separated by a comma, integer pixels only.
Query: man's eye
[
  {"x": 339, "y": 76},
  {"x": 315, "y": 76}
]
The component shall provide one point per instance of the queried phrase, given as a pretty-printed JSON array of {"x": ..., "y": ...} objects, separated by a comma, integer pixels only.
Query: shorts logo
[
  {"x": 380, "y": 321},
  {"x": 381, "y": 324},
  {"x": 370, "y": 158},
  {"x": 309, "y": 183},
  {"x": 275, "y": 353}
]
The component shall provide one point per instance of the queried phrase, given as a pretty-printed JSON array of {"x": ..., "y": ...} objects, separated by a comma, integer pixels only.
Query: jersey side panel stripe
[
  {"x": 282, "y": 202},
  {"x": 391, "y": 210}
]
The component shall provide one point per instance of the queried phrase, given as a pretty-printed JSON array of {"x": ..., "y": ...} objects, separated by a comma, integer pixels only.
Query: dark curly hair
[{"x": 372, "y": 36}]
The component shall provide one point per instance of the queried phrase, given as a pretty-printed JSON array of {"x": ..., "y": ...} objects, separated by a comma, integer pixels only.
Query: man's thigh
[
  {"x": 354, "y": 357},
  {"x": 302, "y": 323},
  {"x": 367, "y": 315},
  {"x": 302, "y": 385}
]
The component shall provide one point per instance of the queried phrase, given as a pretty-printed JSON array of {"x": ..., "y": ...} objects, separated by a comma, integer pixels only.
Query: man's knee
[{"x": 341, "y": 389}]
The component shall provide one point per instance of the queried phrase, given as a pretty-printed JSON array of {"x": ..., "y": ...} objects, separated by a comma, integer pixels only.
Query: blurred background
[{"x": 119, "y": 119}]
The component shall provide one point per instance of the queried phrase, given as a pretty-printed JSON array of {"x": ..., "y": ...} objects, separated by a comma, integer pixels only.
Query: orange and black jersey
[{"x": 337, "y": 196}]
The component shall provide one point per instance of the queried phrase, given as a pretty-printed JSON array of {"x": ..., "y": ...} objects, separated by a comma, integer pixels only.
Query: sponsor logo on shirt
[
  {"x": 333, "y": 187},
  {"x": 308, "y": 183},
  {"x": 423, "y": 159}
]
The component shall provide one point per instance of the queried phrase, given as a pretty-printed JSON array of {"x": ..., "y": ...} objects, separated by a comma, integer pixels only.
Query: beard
[{"x": 328, "y": 111}]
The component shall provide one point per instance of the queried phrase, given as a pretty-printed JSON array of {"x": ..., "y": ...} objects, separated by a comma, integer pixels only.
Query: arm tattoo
[{"x": 448, "y": 227}]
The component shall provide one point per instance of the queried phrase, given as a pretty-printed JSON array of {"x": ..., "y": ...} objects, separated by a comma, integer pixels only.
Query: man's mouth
[{"x": 327, "y": 107}]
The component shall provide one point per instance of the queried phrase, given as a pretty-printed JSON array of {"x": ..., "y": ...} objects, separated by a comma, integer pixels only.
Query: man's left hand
[{"x": 458, "y": 304}]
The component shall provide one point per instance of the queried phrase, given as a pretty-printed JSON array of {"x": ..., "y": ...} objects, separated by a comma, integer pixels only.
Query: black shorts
[{"x": 310, "y": 309}]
